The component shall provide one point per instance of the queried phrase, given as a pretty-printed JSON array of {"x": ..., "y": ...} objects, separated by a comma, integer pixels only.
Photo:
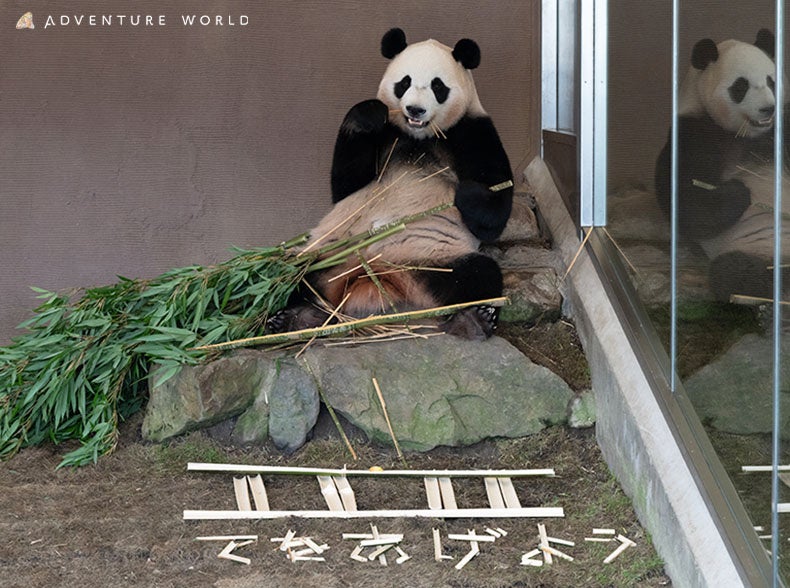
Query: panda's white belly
[
  {"x": 402, "y": 192},
  {"x": 754, "y": 232}
]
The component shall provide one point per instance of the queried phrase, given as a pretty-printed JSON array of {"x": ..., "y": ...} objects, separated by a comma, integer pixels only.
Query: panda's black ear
[
  {"x": 393, "y": 42},
  {"x": 467, "y": 53},
  {"x": 766, "y": 42},
  {"x": 704, "y": 53}
]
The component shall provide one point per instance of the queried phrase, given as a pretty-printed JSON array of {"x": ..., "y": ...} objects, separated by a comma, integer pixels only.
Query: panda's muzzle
[
  {"x": 414, "y": 116},
  {"x": 766, "y": 122}
]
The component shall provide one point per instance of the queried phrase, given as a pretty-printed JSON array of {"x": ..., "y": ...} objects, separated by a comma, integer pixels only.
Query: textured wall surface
[{"x": 129, "y": 150}]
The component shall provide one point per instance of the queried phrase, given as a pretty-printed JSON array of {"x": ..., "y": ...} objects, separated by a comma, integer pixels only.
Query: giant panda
[
  {"x": 726, "y": 107},
  {"x": 424, "y": 141}
]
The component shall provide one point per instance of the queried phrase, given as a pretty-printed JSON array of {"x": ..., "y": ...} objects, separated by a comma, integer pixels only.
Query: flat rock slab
[
  {"x": 438, "y": 391},
  {"x": 734, "y": 393}
]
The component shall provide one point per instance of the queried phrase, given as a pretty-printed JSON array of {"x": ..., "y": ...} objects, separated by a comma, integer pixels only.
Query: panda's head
[
  {"x": 428, "y": 86},
  {"x": 733, "y": 82}
]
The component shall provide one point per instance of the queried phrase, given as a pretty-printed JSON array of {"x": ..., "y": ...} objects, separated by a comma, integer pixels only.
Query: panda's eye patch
[
  {"x": 439, "y": 90},
  {"x": 738, "y": 90},
  {"x": 771, "y": 85},
  {"x": 402, "y": 86}
]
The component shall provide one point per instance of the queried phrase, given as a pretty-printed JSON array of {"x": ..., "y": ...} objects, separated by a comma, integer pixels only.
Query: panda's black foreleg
[{"x": 473, "y": 277}]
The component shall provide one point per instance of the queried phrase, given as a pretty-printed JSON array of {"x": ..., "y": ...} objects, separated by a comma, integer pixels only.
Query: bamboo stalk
[
  {"x": 387, "y": 419},
  {"x": 351, "y": 325},
  {"x": 333, "y": 416},
  {"x": 578, "y": 252},
  {"x": 302, "y": 471},
  {"x": 460, "y": 513}
]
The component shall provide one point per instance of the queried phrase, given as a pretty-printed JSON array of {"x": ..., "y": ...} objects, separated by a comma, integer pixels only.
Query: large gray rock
[
  {"x": 201, "y": 396},
  {"x": 272, "y": 396},
  {"x": 734, "y": 393},
  {"x": 440, "y": 391}
]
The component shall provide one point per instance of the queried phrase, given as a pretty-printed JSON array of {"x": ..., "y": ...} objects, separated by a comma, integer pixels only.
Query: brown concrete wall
[{"x": 129, "y": 150}]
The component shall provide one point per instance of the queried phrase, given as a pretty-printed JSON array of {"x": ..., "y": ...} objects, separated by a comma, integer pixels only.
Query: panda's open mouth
[
  {"x": 416, "y": 123},
  {"x": 762, "y": 124}
]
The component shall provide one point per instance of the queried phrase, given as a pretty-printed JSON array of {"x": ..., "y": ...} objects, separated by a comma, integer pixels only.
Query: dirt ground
[{"x": 119, "y": 523}]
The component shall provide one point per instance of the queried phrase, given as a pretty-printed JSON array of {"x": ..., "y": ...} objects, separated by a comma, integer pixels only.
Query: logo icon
[{"x": 26, "y": 22}]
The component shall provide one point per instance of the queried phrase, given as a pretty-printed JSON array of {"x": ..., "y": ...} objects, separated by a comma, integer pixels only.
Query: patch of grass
[{"x": 171, "y": 458}]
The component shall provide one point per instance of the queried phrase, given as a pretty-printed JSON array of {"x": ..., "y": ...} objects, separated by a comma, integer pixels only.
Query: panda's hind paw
[{"x": 476, "y": 323}]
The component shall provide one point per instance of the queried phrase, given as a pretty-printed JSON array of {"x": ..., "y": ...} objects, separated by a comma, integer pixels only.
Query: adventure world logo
[
  {"x": 25, "y": 22},
  {"x": 134, "y": 20}
]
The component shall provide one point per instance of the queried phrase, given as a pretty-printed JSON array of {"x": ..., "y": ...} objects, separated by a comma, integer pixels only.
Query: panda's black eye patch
[
  {"x": 402, "y": 86},
  {"x": 771, "y": 85},
  {"x": 439, "y": 90},
  {"x": 738, "y": 90}
]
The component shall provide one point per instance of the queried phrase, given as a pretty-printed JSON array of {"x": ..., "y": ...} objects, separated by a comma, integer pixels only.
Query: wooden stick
[
  {"x": 509, "y": 493},
  {"x": 381, "y": 556},
  {"x": 433, "y": 493},
  {"x": 387, "y": 419},
  {"x": 501, "y": 186},
  {"x": 283, "y": 470},
  {"x": 332, "y": 415},
  {"x": 346, "y": 493},
  {"x": 765, "y": 468},
  {"x": 329, "y": 491},
  {"x": 227, "y": 538},
  {"x": 578, "y": 252},
  {"x": 448, "y": 495},
  {"x": 437, "y": 547},
  {"x": 472, "y": 513},
  {"x": 544, "y": 542},
  {"x": 403, "y": 555},
  {"x": 753, "y": 301},
  {"x": 494, "y": 492},
  {"x": 620, "y": 549},
  {"x": 471, "y": 536},
  {"x": 242, "y": 495},
  {"x": 258, "y": 492},
  {"x": 351, "y": 325}
]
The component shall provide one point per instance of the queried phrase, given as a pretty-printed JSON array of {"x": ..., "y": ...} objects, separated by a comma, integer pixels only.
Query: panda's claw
[
  {"x": 475, "y": 323},
  {"x": 295, "y": 318}
]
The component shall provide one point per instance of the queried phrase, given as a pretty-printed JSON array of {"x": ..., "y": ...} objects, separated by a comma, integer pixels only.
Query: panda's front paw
[
  {"x": 369, "y": 116},
  {"x": 476, "y": 323}
]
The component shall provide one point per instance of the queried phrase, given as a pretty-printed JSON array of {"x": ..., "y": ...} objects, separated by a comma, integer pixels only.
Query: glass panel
[{"x": 731, "y": 344}]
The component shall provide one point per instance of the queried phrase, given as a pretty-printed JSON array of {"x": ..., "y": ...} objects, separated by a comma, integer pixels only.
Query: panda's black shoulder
[{"x": 471, "y": 127}]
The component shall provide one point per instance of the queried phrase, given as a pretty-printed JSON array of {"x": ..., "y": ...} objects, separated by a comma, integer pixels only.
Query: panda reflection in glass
[
  {"x": 726, "y": 107},
  {"x": 423, "y": 142}
]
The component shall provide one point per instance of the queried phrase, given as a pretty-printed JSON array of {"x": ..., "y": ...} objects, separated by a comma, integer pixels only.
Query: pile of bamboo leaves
[{"x": 82, "y": 364}]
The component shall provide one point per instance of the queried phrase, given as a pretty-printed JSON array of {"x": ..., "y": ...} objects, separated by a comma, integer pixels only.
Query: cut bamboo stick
[
  {"x": 448, "y": 495},
  {"x": 544, "y": 542},
  {"x": 494, "y": 493},
  {"x": 387, "y": 419},
  {"x": 433, "y": 493},
  {"x": 479, "y": 513},
  {"x": 509, "y": 493},
  {"x": 258, "y": 492},
  {"x": 329, "y": 491},
  {"x": 765, "y": 468},
  {"x": 236, "y": 538},
  {"x": 266, "y": 469},
  {"x": 346, "y": 493},
  {"x": 242, "y": 495}
]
